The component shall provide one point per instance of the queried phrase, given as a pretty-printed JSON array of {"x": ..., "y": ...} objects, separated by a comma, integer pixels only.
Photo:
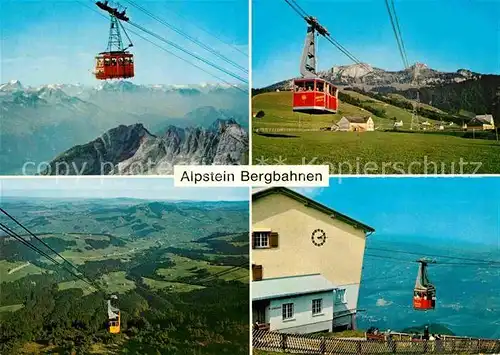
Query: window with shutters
[
  {"x": 256, "y": 272},
  {"x": 264, "y": 240},
  {"x": 261, "y": 239},
  {"x": 287, "y": 311}
]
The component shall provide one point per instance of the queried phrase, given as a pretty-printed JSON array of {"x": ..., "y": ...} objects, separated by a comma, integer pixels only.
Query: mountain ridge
[
  {"x": 125, "y": 149},
  {"x": 366, "y": 75},
  {"x": 39, "y": 123},
  {"x": 451, "y": 92}
]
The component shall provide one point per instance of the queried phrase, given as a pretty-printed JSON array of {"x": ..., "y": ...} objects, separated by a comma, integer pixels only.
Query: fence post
[
  {"x": 322, "y": 346},
  {"x": 283, "y": 342}
]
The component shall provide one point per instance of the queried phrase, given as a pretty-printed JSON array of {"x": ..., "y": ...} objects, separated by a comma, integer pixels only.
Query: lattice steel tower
[{"x": 115, "y": 38}]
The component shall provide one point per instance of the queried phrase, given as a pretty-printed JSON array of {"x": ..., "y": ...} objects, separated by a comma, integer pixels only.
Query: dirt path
[{"x": 11, "y": 271}]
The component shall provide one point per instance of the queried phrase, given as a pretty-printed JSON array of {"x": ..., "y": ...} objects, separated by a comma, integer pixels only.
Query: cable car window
[
  {"x": 299, "y": 86},
  {"x": 309, "y": 85},
  {"x": 334, "y": 91},
  {"x": 131, "y": 60},
  {"x": 113, "y": 61},
  {"x": 106, "y": 62},
  {"x": 320, "y": 86}
]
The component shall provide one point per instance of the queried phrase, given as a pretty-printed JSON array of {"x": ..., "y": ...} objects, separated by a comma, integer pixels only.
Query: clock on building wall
[{"x": 318, "y": 237}]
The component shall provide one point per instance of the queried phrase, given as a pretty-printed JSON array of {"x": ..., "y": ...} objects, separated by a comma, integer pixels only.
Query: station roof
[
  {"x": 261, "y": 192},
  {"x": 290, "y": 286}
]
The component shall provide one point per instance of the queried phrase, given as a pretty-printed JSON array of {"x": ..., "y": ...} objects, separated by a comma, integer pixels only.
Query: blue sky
[
  {"x": 45, "y": 42},
  {"x": 143, "y": 188},
  {"x": 441, "y": 210},
  {"x": 444, "y": 34}
]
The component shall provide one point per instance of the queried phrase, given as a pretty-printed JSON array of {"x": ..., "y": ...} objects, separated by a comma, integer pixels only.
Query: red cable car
[
  {"x": 424, "y": 294},
  {"x": 114, "y": 65},
  {"x": 312, "y": 94},
  {"x": 116, "y": 62}
]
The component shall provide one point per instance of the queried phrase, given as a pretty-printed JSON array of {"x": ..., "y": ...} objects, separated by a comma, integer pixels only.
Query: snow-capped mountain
[
  {"x": 40, "y": 122},
  {"x": 13, "y": 85}
]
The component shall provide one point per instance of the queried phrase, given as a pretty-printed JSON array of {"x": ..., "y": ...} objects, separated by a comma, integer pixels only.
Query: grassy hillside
[
  {"x": 169, "y": 284},
  {"x": 278, "y": 113},
  {"x": 368, "y": 152},
  {"x": 470, "y": 95}
]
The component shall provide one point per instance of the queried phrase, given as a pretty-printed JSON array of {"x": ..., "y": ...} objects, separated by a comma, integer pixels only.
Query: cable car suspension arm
[
  {"x": 126, "y": 34},
  {"x": 315, "y": 26}
]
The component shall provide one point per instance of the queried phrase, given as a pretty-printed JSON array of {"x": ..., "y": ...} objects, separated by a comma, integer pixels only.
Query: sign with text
[{"x": 251, "y": 175}]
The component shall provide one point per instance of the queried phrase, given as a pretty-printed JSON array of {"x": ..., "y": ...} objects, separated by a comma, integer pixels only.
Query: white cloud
[{"x": 383, "y": 303}]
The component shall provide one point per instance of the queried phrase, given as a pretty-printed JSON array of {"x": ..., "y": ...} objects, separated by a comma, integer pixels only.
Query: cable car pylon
[
  {"x": 312, "y": 94},
  {"x": 424, "y": 294},
  {"x": 116, "y": 62}
]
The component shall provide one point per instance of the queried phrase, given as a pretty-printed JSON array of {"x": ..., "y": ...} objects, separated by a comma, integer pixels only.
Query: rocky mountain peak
[
  {"x": 419, "y": 65},
  {"x": 124, "y": 149},
  {"x": 368, "y": 76},
  {"x": 13, "y": 85},
  {"x": 130, "y": 132},
  {"x": 51, "y": 92},
  {"x": 351, "y": 71},
  {"x": 220, "y": 124},
  {"x": 119, "y": 86}
]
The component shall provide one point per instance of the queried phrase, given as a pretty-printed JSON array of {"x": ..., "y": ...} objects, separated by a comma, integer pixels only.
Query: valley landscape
[
  {"x": 169, "y": 262},
  {"x": 120, "y": 128},
  {"x": 436, "y": 141}
]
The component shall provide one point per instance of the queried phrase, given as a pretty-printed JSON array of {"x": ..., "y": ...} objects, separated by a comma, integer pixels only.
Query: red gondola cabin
[
  {"x": 424, "y": 294},
  {"x": 424, "y": 300},
  {"x": 314, "y": 96},
  {"x": 114, "y": 65}
]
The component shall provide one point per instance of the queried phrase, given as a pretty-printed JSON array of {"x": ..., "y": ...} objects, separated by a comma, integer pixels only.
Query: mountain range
[
  {"x": 367, "y": 76},
  {"x": 133, "y": 150},
  {"x": 41, "y": 123},
  {"x": 128, "y": 217},
  {"x": 452, "y": 92}
]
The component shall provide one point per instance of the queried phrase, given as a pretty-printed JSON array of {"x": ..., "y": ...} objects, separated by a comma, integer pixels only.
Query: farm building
[
  {"x": 299, "y": 304},
  {"x": 356, "y": 124},
  {"x": 481, "y": 122},
  {"x": 398, "y": 123},
  {"x": 306, "y": 263}
]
